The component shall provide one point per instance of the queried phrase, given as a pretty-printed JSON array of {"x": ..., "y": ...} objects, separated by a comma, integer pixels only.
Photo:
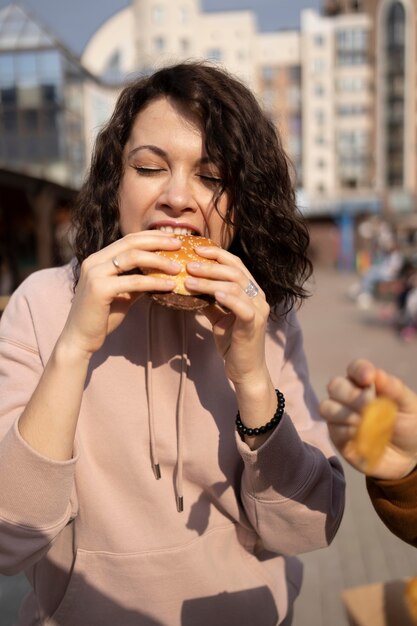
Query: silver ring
[
  {"x": 116, "y": 265},
  {"x": 251, "y": 290}
]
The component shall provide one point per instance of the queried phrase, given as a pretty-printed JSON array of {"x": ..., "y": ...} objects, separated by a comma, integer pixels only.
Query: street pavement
[{"x": 334, "y": 333}]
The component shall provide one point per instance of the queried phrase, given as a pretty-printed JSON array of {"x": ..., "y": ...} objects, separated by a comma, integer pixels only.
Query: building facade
[
  {"x": 392, "y": 58},
  {"x": 41, "y": 101},
  {"x": 341, "y": 91}
]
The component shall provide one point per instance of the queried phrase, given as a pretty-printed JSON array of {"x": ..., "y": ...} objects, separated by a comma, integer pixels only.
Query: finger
[
  {"x": 362, "y": 372},
  {"x": 397, "y": 390},
  {"x": 229, "y": 267},
  {"x": 144, "y": 240},
  {"x": 338, "y": 414},
  {"x": 112, "y": 287},
  {"x": 139, "y": 260},
  {"x": 242, "y": 306},
  {"x": 235, "y": 273},
  {"x": 346, "y": 392},
  {"x": 342, "y": 436},
  {"x": 224, "y": 257}
]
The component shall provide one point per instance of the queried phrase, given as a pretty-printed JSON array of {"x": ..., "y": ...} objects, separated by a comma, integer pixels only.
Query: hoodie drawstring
[
  {"x": 180, "y": 416},
  {"x": 149, "y": 394},
  {"x": 180, "y": 407}
]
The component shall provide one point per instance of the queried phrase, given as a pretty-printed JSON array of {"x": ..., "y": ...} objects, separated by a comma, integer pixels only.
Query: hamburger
[{"x": 181, "y": 297}]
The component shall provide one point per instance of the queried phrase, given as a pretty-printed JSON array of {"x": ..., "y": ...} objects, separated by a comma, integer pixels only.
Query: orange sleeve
[{"x": 395, "y": 501}]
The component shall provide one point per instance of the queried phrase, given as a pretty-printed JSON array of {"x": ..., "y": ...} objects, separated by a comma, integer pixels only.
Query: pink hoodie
[{"x": 99, "y": 537}]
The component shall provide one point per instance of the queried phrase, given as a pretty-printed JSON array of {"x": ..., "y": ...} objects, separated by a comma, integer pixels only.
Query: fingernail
[
  {"x": 191, "y": 282},
  {"x": 175, "y": 265},
  {"x": 194, "y": 265}
]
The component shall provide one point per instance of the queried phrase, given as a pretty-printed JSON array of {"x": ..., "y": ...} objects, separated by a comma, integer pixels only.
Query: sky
[{"x": 75, "y": 21}]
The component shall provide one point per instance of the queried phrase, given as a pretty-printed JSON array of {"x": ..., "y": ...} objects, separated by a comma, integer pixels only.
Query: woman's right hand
[{"x": 104, "y": 292}]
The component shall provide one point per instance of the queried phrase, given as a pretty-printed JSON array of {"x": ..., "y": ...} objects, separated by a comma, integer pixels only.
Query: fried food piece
[
  {"x": 411, "y": 598},
  {"x": 375, "y": 431}
]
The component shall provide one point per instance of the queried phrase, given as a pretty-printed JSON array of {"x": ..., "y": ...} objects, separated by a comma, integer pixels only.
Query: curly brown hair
[{"x": 271, "y": 236}]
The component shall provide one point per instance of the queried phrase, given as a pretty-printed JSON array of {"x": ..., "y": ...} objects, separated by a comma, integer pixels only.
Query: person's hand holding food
[{"x": 372, "y": 419}]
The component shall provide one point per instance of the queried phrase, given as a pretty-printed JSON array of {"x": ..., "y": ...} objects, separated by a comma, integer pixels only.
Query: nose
[{"x": 177, "y": 194}]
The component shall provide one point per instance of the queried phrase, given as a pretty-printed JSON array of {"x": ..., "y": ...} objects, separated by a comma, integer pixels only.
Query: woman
[
  {"x": 392, "y": 484},
  {"x": 101, "y": 386}
]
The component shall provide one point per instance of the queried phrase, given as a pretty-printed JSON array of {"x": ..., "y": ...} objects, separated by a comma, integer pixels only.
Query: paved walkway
[{"x": 364, "y": 551}]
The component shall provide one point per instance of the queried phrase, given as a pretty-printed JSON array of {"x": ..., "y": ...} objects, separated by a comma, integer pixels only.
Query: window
[
  {"x": 295, "y": 73},
  {"x": 10, "y": 120},
  {"x": 352, "y": 46},
  {"x": 294, "y": 96},
  {"x": 29, "y": 97},
  {"x": 319, "y": 65},
  {"x": 30, "y": 119},
  {"x": 49, "y": 94},
  {"x": 26, "y": 72},
  {"x": 214, "y": 54},
  {"x": 7, "y": 75},
  {"x": 49, "y": 67},
  {"x": 184, "y": 45},
  {"x": 318, "y": 90},
  {"x": 184, "y": 14},
  {"x": 394, "y": 96},
  {"x": 112, "y": 71},
  {"x": 157, "y": 14},
  {"x": 159, "y": 44},
  {"x": 267, "y": 73},
  {"x": 268, "y": 99},
  {"x": 9, "y": 96},
  {"x": 396, "y": 25},
  {"x": 345, "y": 110}
]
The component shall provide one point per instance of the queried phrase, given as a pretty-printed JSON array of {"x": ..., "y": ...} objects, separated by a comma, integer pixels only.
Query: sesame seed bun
[{"x": 181, "y": 297}]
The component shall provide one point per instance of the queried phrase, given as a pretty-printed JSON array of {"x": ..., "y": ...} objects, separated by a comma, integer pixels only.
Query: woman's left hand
[{"x": 239, "y": 323}]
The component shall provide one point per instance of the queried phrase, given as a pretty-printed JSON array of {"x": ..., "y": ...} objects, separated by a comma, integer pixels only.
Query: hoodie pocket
[
  {"x": 182, "y": 585},
  {"x": 103, "y": 590}
]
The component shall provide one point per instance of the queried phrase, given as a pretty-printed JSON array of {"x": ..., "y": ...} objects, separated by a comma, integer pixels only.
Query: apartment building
[
  {"x": 338, "y": 100},
  {"x": 392, "y": 59}
]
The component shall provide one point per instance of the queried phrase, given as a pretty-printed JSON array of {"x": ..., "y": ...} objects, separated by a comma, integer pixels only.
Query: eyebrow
[
  {"x": 150, "y": 147},
  {"x": 159, "y": 152}
]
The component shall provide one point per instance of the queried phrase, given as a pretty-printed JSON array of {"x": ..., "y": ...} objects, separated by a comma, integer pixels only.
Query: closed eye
[
  {"x": 147, "y": 171},
  {"x": 212, "y": 181}
]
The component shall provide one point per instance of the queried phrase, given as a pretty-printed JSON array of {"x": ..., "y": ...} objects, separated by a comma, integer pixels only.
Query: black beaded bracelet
[{"x": 273, "y": 423}]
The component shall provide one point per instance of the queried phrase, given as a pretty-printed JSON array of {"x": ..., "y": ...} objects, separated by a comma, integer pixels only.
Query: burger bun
[{"x": 181, "y": 297}]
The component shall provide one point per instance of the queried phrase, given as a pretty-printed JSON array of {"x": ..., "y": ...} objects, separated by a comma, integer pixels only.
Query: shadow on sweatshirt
[{"x": 84, "y": 604}]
